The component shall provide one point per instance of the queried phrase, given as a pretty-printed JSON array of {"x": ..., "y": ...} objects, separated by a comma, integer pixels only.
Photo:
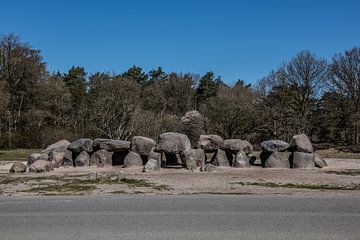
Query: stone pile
[{"x": 298, "y": 154}]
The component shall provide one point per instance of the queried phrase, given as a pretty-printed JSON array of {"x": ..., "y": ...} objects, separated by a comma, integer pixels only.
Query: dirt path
[{"x": 341, "y": 177}]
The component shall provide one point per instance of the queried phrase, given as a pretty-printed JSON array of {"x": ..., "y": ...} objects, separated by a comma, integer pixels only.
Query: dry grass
[
  {"x": 333, "y": 153},
  {"x": 17, "y": 154}
]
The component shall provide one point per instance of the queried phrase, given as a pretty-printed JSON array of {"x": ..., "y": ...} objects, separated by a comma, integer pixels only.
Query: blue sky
[{"x": 235, "y": 39}]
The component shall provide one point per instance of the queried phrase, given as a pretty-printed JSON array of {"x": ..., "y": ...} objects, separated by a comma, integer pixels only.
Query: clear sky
[{"x": 235, "y": 39}]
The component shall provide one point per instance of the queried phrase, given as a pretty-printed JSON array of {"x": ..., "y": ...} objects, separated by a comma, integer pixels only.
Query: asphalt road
[{"x": 179, "y": 217}]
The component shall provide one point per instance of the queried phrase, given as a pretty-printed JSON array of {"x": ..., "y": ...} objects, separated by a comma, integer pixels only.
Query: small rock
[
  {"x": 208, "y": 168},
  {"x": 319, "y": 161},
  {"x": 17, "y": 167}
]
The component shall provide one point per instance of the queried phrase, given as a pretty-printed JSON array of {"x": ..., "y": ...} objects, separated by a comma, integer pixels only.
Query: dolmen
[{"x": 299, "y": 153}]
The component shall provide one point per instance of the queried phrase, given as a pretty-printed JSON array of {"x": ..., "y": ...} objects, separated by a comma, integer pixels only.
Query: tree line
[{"x": 306, "y": 94}]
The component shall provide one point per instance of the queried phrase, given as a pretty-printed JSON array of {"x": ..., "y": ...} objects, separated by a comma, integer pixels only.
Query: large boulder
[
  {"x": 237, "y": 145},
  {"x": 133, "y": 159},
  {"x": 192, "y": 124},
  {"x": 152, "y": 165},
  {"x": 172, "y": 142},
  {"x": 220, "y": 159},
  {"x": 82, "y": 160},
  {"x": 17, "y": 167},
  {"x": 303, "y": 160},
  {"x": 60, "y": 146},
  {"x": 142, "y": 145},
  {"x": 193, "y": 158},
  {"x": 101, "y": 158},
  {"x": 111, "y": 145},
  {"x": 56, "y": 158},
  {"x": 37, "y": 156},
  {"x": 301, "y": 143},
  {"x": 80, "y": 145},
  {"x": 271, "y": 146},
  {"x": 40, "y": 166},
  {"x": 319, "y": 161},
  {"x": 278, "y": 160},
  {"x": 241, "y": 161},
  {"x": 211, "y": 143}
]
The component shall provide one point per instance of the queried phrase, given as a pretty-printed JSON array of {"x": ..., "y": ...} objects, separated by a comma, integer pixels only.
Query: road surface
[{"x": 179, "y": 217}]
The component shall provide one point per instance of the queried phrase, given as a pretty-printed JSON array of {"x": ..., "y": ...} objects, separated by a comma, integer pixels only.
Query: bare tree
[{"x": 345, "y": 76}]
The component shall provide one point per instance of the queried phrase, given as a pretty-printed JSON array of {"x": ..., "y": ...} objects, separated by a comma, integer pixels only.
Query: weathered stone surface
[
  {"x": 37, "y": 156},
  {"x": 271, "y": 146},
  {"x": 152, "y": 165},
  {"x": 211, "y": 143},
  {"x": 303, "y": 160},
  {"x": 133, "y": 159},
  {"x": 111, "y": 145},
  {"x": 101, "y": 158},
  {"x": 82, "y": 160},
  {"x": 208, "y": 168},
  {"x": 278, "y": 160},
  {"x": 220, "y": 159},
  {"x": 142, "y": 145},
  {"x": 17, "y": 167},
  {"x": 154, "y": 155},
  {"x": 56, "y": 158},
  {"x": 237, "y": 145},
  {"x": 40, "y": 166},
  {"x": 319, "y": 161},
  {"x": 301, "y": 143},
  {"x": 193, "y": 158},
  {"x": 241, "y": 161},
  {"x": 68, "y": 159},
  {"x": 80, "y": 145},
  {"x": 60, "y": 146},
  {"x": 172, "y": 142}
]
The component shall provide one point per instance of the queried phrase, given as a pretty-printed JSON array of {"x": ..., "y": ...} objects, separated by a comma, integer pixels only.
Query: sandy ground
[{"x": 341, "y": 177}]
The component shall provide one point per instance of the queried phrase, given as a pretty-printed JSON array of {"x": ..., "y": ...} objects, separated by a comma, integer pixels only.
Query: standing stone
[
  {"x": 192, "y": 125},
  {"x": 211, "y": 143},
  {"x": 133, "y": 159},
  {"x": 278, "y": 160},
  {"x": 60, "y": 146},
  {"x": 241, "y": 161},
  {"x": 301, "y": 143},
  {"x": 17, "y": 167},
  {"x": 172, "y": 142},
  {"x": 319, "y": 161},
  {"x": 152, "y": 165},
  {"x": 68, "y": 159},
  {"x": 111, "y": 145},
  {"x": 101, "y": 158},
  {"x": 303, "y": 160},
  {"x": 82, "y": 160},
  {"x": 81, "y": 145},
  {"x": 154, "y": 155},
  {"x": 56, "y": 158},
  {"x": 142, "y": 145},
  {"x": 189, "y": 160},
  {"x": 271, "y": 146},
  {"x": 220, "y": 159},
  {"x": 237, "y": 145}
]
